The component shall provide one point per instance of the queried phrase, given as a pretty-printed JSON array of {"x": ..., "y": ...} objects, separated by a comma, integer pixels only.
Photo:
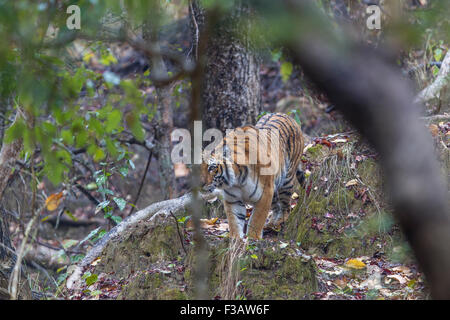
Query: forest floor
[{"x": 360, "y": 278}]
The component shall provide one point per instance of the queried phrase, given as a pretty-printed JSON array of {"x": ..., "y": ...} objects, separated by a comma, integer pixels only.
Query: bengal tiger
[{"x": 266, "y": 183}]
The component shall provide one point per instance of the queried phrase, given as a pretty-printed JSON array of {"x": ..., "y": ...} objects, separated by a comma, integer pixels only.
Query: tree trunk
[
  {"x": 9, "y": 153},
  {"x": 231, "y": 88},
  {"x": 164, "y": 114}
]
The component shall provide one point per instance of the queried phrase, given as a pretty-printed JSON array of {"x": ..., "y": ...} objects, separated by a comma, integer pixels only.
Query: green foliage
[
  {"x": 286, "y": 71},
  {"x": 47, "y": 84},
  {"x": 261, "y": 115},
  {"x": 89, "y": 278}
]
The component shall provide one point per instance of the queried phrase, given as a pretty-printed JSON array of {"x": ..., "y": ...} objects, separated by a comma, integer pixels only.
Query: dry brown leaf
[
  {"x": 403, "y": 269},
  {"x": 434, "y": 129},
  {"x": 351, "y": 183},
  {"x": 341, "y": 283},
  {"x": 209, "y": 221},
  {"x": 53, "y": 201},
  {"x": 397, "y": 277},
  {"x": 204, "y": 223},
  {"x": 355, "y": 264}
]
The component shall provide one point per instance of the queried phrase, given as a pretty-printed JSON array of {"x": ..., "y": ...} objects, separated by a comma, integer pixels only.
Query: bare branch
[{"x": 434, "y": 89}]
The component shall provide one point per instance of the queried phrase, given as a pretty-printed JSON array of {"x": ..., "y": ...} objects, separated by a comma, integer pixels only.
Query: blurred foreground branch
[{"x": 371, "y": 94}]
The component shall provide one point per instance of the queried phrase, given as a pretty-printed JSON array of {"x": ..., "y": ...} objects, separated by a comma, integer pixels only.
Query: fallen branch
[
  {"x": 434, "y": 89},
  {"x": 64, "y": 221},
  {"x": 436, "y": 118},
  {"x": 151, "y": 212}
]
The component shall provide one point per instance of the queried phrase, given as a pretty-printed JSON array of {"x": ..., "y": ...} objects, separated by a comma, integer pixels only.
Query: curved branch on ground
[{"x": 165, "y": 208}]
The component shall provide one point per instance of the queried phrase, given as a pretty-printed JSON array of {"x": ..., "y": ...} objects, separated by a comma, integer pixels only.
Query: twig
[
  {"x": 149, "y": 160},
  {"x": 194, "y": 20},
  {"x": 15, "y": 275},
  {"x": 179, "y": 233},
  {"x": 56, "y": 248},
  {"x": 87, "y": 194},
  {"x": 44, "y": 271}
]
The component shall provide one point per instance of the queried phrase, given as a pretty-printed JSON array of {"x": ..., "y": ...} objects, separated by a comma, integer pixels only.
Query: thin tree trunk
[
  {"x": 9, "y": 153},
  {"x": 164, "y": 115}
]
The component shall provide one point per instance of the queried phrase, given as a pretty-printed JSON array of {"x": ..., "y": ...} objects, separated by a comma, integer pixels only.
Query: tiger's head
[{"x": 212, "y": 174}]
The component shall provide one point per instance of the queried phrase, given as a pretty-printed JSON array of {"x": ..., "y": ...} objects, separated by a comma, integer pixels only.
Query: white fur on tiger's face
[{"x": 257, "y": 166}]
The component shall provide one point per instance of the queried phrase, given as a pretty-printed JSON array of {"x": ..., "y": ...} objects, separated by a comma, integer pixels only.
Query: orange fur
[{"x": 230, "y": 168}]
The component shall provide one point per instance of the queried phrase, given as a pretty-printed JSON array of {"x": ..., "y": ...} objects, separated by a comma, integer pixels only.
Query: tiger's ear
[{"x": 212, "y": 165}]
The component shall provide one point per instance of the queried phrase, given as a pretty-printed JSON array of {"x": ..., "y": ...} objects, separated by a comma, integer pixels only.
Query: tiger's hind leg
[
  {"x": 281, "y": 206},
  {"x": 236, "y": 214},
  {"x": 277, "y": 211}
]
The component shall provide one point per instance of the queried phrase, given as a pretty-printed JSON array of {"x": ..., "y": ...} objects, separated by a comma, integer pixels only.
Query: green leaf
[
  {"x": 95, "y": 293},
  {"x": 121, "y": 203},
  {"x": 90, "y": 235},
  {"x": 102, "y": 205},
  {"x": 61, "y": 269},
  {"x": 135, "y": 126},
  {"x": 61, "y": 278},
  {"x": 76, "y": 258},
  {"x": 15, "y": 131},
  {"x": 69, "y": 243},
  {"x": 91, "y": 279},
  {"x": 113, "y": 120},
  {"x": 91, "y": 186},
  {"x": 435, "y": 70},
  {"x": 100, "y": 180},
  {"x": 276, "y": 55},
  {"x": 106, "y": 191},
  {"x": 111, "y": 148},
  {"x": 438, "y": 54},
  {"x": 67, "y": 137},
  {"x": 286, "y": 71},
  {"x": 123, "y": 171},
  {"x": 116, "y": 219}
]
